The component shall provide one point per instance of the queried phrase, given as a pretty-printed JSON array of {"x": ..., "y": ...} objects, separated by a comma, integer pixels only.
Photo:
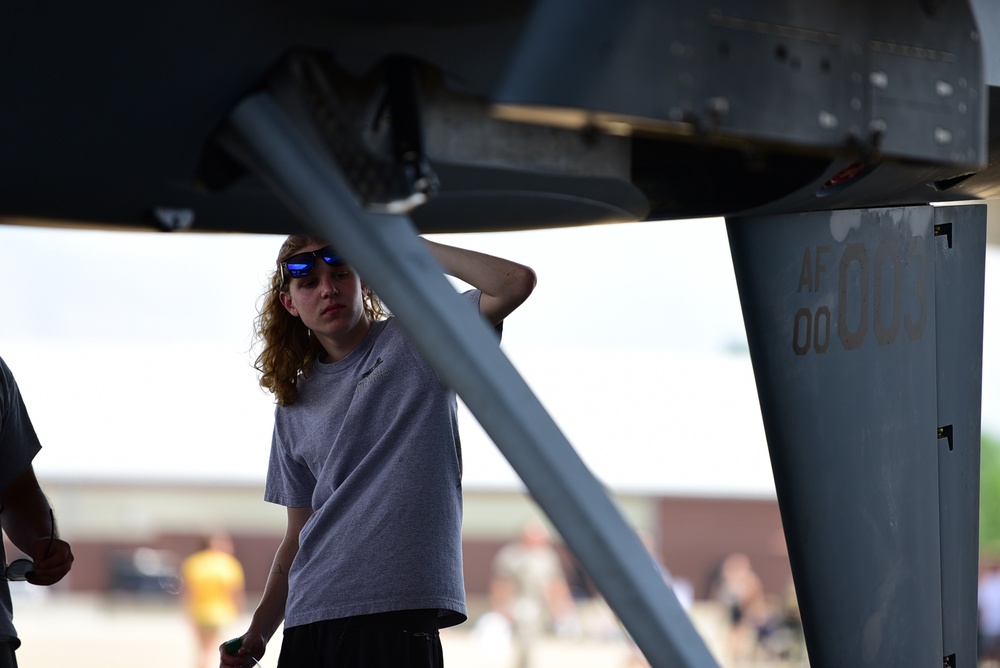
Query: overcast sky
[{"x": 132, "y": 350}]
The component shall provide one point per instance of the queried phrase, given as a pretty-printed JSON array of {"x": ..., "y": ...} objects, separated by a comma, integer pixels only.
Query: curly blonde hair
[{"x": 287, "y": 347}]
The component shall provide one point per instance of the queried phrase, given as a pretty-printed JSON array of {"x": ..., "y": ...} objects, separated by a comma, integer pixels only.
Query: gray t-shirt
[
  {"x": 372, "y": 445},
  {"x": 18, "y": 446}
]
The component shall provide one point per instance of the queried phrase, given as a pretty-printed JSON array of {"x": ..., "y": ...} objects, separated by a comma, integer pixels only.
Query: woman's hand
[{"x": 251, "y": 646}]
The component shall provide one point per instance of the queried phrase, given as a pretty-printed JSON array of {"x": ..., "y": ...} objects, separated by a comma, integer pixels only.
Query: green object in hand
[{"x": 233, "y": 647}]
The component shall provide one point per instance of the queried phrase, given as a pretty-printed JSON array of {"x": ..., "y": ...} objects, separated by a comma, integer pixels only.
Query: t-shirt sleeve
[
  {"x": 473, "y": 297},
  {"x": 289, "y": 482},
  {"x": 18, "y": 441}
]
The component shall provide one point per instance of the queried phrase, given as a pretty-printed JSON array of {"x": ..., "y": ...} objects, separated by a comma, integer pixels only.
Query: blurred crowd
[
  {"x": 538, "y": 599},
  {"x": 760, "y": 626},
  {"x": 532, "y": 599}
]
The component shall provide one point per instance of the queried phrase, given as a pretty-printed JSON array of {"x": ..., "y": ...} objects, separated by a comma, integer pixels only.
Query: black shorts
[{"x": 403, "y": 639}]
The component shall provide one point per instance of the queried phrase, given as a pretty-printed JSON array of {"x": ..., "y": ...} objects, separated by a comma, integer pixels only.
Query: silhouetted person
[{"x": 25, "y": 514}]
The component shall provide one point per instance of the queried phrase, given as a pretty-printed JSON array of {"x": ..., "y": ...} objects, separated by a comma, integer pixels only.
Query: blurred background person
[
  {"x": 529, "y": 588},
  {"x": 740, "y": 591},
  {"x": 214, "y": 594}
]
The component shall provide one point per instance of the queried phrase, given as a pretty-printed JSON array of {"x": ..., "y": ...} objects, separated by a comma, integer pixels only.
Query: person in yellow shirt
[{"x": 214, "y": 593}]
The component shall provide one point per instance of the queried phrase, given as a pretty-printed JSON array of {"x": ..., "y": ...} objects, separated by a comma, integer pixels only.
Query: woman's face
[{"x": 329, "y": 301}]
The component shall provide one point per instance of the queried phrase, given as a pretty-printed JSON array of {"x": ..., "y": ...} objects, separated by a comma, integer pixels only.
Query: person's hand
[
  {"x": 251, "y": 648},
  {"x": 53, "y": 559}
]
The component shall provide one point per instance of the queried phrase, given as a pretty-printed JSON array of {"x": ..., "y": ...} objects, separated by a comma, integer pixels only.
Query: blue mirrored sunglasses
[{"x": 300, "y": 264}]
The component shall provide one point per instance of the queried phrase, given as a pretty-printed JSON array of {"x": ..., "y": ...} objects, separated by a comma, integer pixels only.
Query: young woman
[{"x": 366, "y": 458}]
